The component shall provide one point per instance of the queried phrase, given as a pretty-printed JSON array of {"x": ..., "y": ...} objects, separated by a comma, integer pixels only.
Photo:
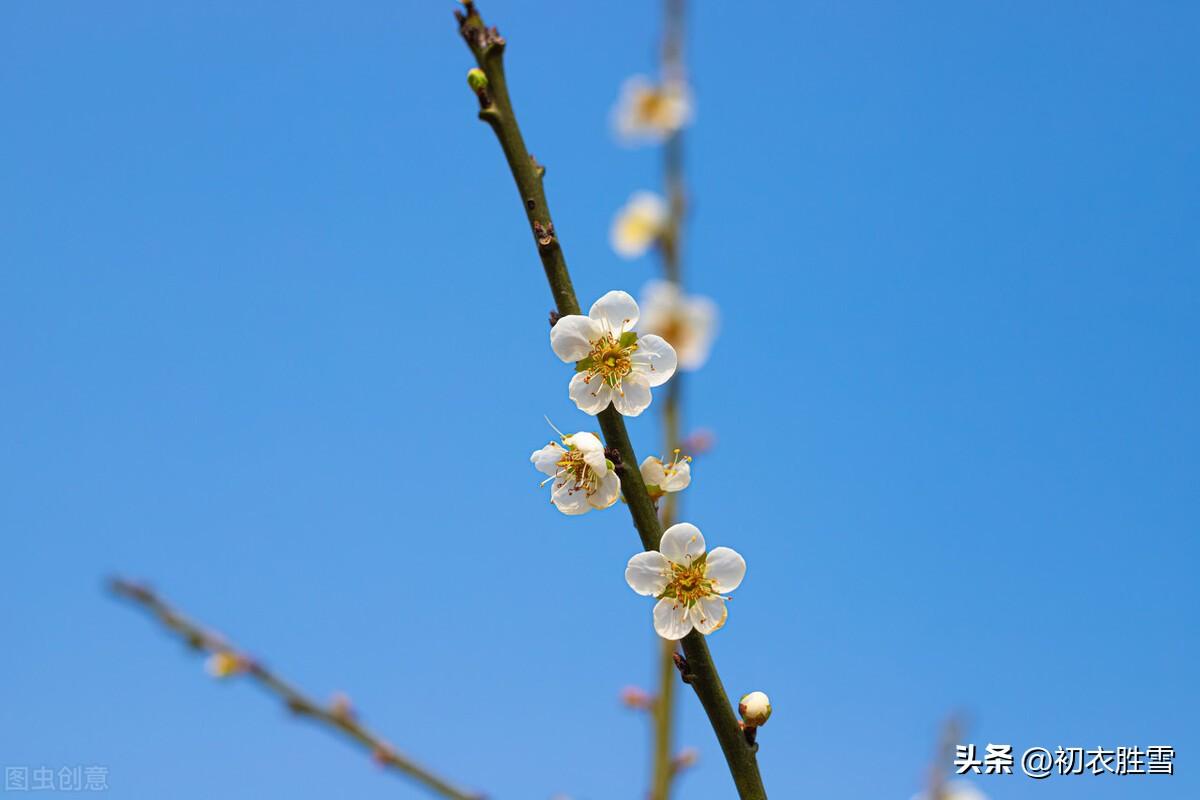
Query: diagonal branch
[
  {"x": 487, "y": 46},
  {"x": 337, "y": 716}
]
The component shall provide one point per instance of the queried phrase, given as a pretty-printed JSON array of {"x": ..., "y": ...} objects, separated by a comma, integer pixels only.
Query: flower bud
[
  {"x": 755, "y": 709},
  {"x": 476, "y": 79},
  {"x": 223, "y": 663},
  {"x": 635, "y": 698}
]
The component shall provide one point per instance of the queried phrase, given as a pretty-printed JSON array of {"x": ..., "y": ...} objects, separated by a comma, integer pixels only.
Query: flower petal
[
  {"x": 591, "y": 397},
  {"x": 678, "y": 478},
  {"x": 607, "y": 491},
  {"x": 572, "y": 336},
  {"x": 652, "y": 472},
  {"x": 725, "y": 568},
  {"x": 638, "y": 224},
  {"x": 709, "y": 614},
  {"x": 568, "y": 499},
  {"x": 654, "y": 359},
  {"x": 648, "y": 573},
  {"x": 593, "y": 451},
  {"x": 634, "y": 395},
  {"x": 546, "y": 460},
  {"x": 617, "y": 311},
  {"x": 682, "y": 543},
  {"x": 701, "y": 319},
  {"x": 671, "y": 619}
]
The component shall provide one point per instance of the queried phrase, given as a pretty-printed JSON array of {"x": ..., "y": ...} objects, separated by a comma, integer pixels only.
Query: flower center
[
  {"x": 651, "y": 105},
  {"x": 611, "y": 359},
  {"x": 688, "y": 582},
  {"x": 572, "y": 467}
]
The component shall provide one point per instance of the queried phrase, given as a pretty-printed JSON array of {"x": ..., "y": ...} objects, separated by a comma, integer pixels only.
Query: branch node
[
  {"x": 681, "y": 664},
  {"x": 544, "y": 233}
]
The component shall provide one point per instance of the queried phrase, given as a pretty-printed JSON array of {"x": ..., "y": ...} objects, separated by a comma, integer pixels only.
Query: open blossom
[
  {"x": 639, "y": 224},
  {"x": 583, "y": 478},
  {"x": 613, "y": 364},
  {"x": 688, "y": 582},
  {"x": 688, "y": 322},
  {"x": 671, "y": 476},
  {"x": 651, "y": 112}
]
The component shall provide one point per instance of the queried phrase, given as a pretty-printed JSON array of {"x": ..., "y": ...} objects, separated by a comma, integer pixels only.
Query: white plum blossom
[
  {"x": 639, "y": 224},
  {"x": 688, "y": 322},
  {"x": 613, "y": 364},
  {"x": 689, "y": 583},
  {"x": 583, "y": 478},
  {"x": 663, "y": 477},
  {"x": 649, "y": 112}
]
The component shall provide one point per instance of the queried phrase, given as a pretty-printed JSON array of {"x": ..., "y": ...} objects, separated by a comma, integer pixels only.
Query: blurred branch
[
  {"x": 337, "y": 716},
  {"x": 663, "y": 771},
  {"x": 487, "y": 46}
]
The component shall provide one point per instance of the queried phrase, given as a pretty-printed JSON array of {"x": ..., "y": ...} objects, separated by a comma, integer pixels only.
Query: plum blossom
[
  {"x": 688, "y": 322},
  {"x": 688, "y": 582},
  {"x": 613, "y": 364},
  {"x": 663, "y": 477},
  {"x": 639, "y": 224},
  {"x": 582, "y": 477},
  {"x": 649, "y": 112}
]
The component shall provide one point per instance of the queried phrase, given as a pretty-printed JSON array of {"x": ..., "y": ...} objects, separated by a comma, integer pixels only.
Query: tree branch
[
  {"x": 336, "y": 716},
  {"x": 487, "y": 46}
]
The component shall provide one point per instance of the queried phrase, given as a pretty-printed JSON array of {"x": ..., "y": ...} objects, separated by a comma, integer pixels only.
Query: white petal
[
  {"x": 726, "y": 568},
  {"x": 593, "y": 451},
  {"x": 617, "y": 311},
  {"x": 652, "y": 472},
  {"x": 607, "y": 492},
  {"x": 648, "y": 573},
  {"x": 679, "y": 477},
  {"x": 654, "y": 359},
  {"x": 708, "y": 614},
  {"x": 671, "y": 619},
  {"x": 568, "y": 499},
  {"x": 638, "y": 224},
  {"x": 546, "y": 460},
  {"x": 682, "y": 543},
  {"x": 572, "y": 336},
  {"x": 700, "y": 315},
  {"x": 591, "y": 398},
  {"x": 658, "y": 298},
  {"x": 634, "y": 395}
]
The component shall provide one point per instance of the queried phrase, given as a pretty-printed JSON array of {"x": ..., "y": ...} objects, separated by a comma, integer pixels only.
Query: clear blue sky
[{"x": 273, "y": 336}]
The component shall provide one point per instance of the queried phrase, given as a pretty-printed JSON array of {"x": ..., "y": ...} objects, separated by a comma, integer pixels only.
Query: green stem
[{"x": 496, "y": 109}]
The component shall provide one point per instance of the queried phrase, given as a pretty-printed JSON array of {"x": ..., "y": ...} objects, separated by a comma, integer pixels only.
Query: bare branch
[{"x": 337, "y": 715}]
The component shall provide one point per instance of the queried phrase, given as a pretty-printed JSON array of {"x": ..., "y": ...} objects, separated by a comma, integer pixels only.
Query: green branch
[
  {"x": 495, "y": 106},
  {"x": 336, "y": 716}
]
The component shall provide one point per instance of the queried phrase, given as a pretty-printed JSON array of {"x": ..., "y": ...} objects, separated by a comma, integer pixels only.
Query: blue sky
[{"x": 273, "y": 336}]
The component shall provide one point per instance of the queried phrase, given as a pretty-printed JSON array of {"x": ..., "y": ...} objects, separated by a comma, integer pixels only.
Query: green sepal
[
  {"x": 627, "y": 338},
  {"x": 584, "y": 365}
]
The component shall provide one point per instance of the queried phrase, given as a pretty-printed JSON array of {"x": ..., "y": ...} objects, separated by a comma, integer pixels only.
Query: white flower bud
[{"x": 755, "y": 709}]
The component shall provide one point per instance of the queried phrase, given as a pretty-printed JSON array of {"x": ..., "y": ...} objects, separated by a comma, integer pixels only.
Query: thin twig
[
  {"x": 337, "y": 716},
  {"x": 487, "y": 46}
]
